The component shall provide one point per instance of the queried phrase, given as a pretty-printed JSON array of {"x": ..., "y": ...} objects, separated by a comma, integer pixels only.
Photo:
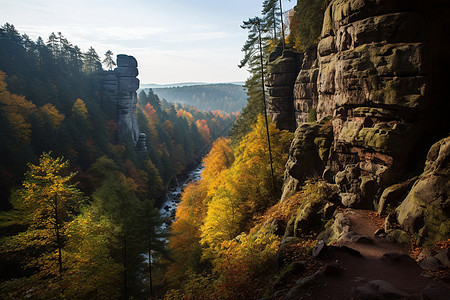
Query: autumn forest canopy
[
  {"x": 330, "y": 132},
  {"x": 67, "y": 177},
  {"x": 81, "y": 206}
]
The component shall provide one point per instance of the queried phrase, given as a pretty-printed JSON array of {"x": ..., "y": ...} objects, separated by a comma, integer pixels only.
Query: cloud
[{"x": 112, "y": 33}]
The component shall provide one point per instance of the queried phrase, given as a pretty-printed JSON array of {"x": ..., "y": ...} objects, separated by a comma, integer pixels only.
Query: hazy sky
[{"x": 173, "y": 40}]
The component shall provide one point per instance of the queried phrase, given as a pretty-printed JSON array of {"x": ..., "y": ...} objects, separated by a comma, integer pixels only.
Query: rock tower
[
  {"x": 282, "y": 70},
  {"x": 120, "y": 88}
]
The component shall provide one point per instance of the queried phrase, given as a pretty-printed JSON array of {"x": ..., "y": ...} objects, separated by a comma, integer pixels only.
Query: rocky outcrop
[
  {"x": 282, "y": 71},
  {"x": 425, "y": 211},
  {"x": 372, "y": 80},
  {"x": 379, "y": 75},
  {"x": 393, "y": 195},
  {"x": 120, "y": 88},
  {"x": 307, "y": 156},
  {"x": 373, "y": 75},
  {"x": 305, "y": 88}
]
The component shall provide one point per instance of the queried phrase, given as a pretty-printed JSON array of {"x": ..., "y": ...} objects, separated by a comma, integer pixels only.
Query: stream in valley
[{"x": 173, "y": 195}]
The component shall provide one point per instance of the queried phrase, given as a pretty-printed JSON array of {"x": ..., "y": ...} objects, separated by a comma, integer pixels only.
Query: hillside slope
[{"x": 230, "y": 98}]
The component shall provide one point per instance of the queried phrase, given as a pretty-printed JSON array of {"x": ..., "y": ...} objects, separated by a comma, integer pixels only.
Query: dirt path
[{"x": 402, "y": 272}]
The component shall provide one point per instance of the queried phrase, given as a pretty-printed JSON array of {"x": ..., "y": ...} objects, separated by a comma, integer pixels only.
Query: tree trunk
[
  {"x": 150, "y": 279},
  {"x": 125, "y": 267},
  {"x": 265, "y": 106},
  {"x": 282, "y": 25},
  {"x": 58, "y": 238}
]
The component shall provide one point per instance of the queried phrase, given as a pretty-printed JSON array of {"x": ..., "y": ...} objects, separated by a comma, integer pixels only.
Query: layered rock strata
[
  {"x": 308, "y": 155},
  {"x": 372, "y": 81},
  {"x": 282, "y": 71},
  {"x": 305, "y": 88},
  {"x": 380, "y": 76},
  {"x": 120, "y": 88},
  {"x": 373, "y": 73}
]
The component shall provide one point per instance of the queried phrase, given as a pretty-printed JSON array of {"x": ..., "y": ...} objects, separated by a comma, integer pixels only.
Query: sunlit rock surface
[{"x": 119, "y": 87}]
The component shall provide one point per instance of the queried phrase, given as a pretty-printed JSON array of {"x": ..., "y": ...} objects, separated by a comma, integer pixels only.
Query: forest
[
  {"x": 79, "y": 205},
  {"x": 350, "y": 201}
]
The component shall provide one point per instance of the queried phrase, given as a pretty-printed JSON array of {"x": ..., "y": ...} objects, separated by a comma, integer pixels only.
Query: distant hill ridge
[
  {"x": 180, "y": 84},
  {"x": 227, "y": 97}
]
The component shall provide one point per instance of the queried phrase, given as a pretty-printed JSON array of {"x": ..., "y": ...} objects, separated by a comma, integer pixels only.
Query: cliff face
[
  {"x": 305, "y": 89},
  {"x": 377, "y": 78},
  {"x": 372, "y": 81},
  {"x": 282, "y": 70},
  {"x": 119, "y": 87}
]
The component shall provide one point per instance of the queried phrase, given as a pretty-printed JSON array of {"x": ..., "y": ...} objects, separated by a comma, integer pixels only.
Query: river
[{"x": 173, "y": 195}]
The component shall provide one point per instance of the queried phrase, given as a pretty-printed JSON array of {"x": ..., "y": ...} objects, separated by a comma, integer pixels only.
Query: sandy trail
[{"x": 404, "y": 275}]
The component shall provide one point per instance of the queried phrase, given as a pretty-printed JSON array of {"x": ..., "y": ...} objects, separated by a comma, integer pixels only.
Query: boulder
[
  {"x": 331, "y": 270},
  {"x": 345, "y": 249},
  {"x": 299, "y": 287},
  {"x": 398, "y": 236},
  {"x": 335, "y": 228},
  {"x": 424, "y": 254},
  {"x": 319, "y": 249},
  {"x": 359, "y": 239},
  {"x": 307, "y": 156},
  {"x": 395, "y": 258},
  {"x": 316, "y": 209},
  {"x": 444, "y": 257},
  {"x": 425, "y": 212},
  {"x": 349, "y": 199},
  {"x": 430, "y": 264},
  {"x": 348, "y": 236},
  {"x": 394, "y": 195}
]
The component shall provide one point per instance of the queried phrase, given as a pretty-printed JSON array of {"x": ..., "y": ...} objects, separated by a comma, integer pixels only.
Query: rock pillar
[
  {"x": 282, "y": 71},
  {"x": 120, "y": 88}
]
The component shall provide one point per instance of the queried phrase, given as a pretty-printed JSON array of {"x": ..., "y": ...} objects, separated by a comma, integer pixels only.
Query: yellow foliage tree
[
  {"x": 185, "y": 114},
  {"x": 17, "y": 109},
  {"x": 225, "y": 212},
  {"x": 51, "y": 112},
  {"x": 79, "y": 107},
  {"x": 240, "y": 260},
  {"x": 48, "y": 192},
  {"x": 214, "y": 214},
  {"x": 44, "y": 204},
  {"x": 244, "y": 190},
  {"x": 220, "y": 158},
  {"x": 91, "y": 272},
  {"x": 186, "y": 233}
]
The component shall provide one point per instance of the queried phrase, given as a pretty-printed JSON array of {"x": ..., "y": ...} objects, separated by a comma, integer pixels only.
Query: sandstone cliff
[
  {"x": 119, "y": 88},
  {"x": 376, "y": 81},
  {"x": 282, "y": 70}
]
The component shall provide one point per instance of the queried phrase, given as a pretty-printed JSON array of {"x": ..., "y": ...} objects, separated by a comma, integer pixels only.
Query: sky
[{"x": 172, "y": 40}]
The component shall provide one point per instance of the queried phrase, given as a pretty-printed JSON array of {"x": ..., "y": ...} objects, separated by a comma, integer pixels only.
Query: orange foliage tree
[
  {"x": 215, "y": 213},
  {"x": 17, "y": 110},
  {"x": 245, "y": 190}
]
